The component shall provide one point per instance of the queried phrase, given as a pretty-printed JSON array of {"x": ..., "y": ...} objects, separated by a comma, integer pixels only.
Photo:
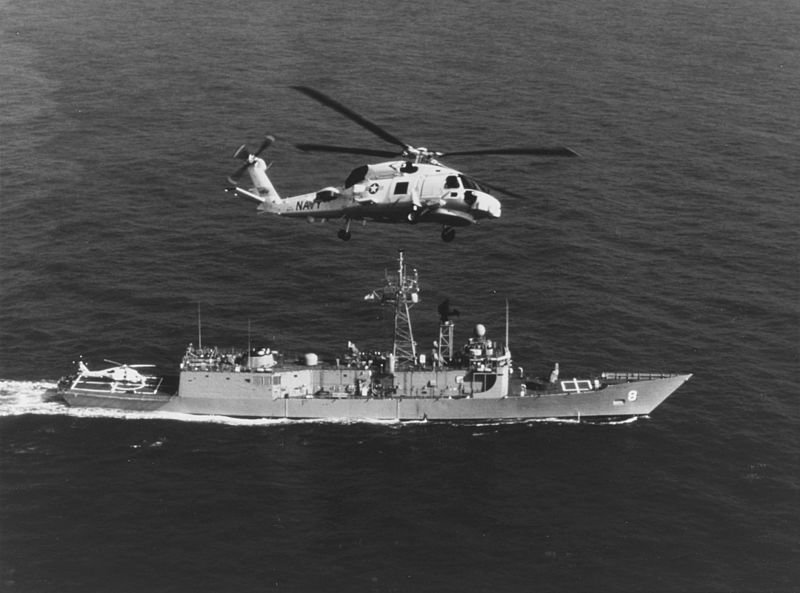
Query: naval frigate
[{"x": 473, "y": 383}]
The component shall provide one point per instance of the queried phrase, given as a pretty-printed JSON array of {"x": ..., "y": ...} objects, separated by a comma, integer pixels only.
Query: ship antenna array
[{"x": 402, "y": 292}]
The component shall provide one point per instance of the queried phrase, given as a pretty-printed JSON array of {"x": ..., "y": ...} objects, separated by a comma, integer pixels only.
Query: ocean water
[{"x": 670, "y": 244}]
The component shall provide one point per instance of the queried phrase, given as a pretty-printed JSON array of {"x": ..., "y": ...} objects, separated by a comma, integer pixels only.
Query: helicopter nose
[{"x": 488, "y": 204}]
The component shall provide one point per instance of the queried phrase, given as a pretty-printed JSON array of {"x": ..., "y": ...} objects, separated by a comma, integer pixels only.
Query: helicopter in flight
[{"x": 414, "y": 187}]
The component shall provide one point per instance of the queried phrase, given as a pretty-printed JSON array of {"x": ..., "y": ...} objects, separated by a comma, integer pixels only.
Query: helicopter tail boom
[
  {"x": 262, "y": 191},
  {"x": 262, "y": 184}
]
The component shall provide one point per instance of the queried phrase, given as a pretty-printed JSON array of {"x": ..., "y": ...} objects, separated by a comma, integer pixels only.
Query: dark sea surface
[{"x": 670, "y": 244}]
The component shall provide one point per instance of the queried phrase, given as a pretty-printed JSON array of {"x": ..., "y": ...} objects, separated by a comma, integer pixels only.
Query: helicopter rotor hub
[{"x": 420, "y": 154}]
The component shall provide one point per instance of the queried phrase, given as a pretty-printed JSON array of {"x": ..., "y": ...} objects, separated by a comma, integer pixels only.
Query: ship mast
[
  {"x": 199, "y": 329},
  {"x": 445, "y": 342},
  {"x": 402, "y": 292}
]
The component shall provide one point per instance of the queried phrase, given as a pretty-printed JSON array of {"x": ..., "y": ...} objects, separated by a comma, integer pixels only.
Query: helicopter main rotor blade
[
  {"x": 350, "y": 114},
  {"x": 536, "y": 151},
  {"x": 346, "y": 150},
  {"x": 502, "y": 190}
]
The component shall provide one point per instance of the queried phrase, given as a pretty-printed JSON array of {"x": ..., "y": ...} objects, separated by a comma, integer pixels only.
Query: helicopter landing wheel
[
  {"x": 413, "y": 216},
  {"x": 344, "y": 234},
  {"x": 448, "y": 234}
]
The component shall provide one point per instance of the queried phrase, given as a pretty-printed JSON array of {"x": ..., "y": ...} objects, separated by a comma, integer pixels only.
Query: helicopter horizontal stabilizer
[{"x": 243, "y": 193}]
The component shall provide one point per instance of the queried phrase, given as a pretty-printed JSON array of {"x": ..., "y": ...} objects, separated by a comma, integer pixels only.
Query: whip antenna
[
  {"x": 199, "y": 329},
  {"x": 507, "y": 347}
]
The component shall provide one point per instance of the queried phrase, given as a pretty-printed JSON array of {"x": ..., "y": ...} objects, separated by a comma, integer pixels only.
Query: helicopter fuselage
[{"x": 393, "y": 191}]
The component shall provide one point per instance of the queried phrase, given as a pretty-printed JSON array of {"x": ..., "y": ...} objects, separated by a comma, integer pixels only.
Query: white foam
[{"x": 26, "y": 397}]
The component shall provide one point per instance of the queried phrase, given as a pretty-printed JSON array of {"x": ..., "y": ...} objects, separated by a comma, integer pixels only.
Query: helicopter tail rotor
[
  {"x": 244, "y": 155},
  {"x": 263, "y": 191}
]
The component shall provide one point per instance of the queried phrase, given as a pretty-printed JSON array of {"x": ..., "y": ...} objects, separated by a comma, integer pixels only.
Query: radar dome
[{"x": 480, "y": 330}]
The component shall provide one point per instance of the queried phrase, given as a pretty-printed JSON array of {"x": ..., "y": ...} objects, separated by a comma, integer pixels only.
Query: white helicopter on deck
[
  {"x": 416, "y": 188},
  {"x": 121, "y": 373}
]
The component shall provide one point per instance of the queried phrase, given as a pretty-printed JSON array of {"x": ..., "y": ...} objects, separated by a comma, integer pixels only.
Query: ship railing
[
  {"x": 628, "y": 376},
  {"x": 213, "y": 359},
  {"x": 201, "y": 364}
]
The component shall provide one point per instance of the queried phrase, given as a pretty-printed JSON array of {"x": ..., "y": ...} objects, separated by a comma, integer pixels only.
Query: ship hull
[
  {"x": 231, "y": 394},
  {"x": 115, "y": 401}
]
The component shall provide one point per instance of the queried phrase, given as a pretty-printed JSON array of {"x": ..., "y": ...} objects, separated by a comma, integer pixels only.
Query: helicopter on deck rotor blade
[{"x": 414, "y": 187}]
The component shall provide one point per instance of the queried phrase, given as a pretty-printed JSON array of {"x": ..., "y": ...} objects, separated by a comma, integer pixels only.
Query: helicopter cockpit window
[
  {"x": 400, "y": 188},
  {"x": 356, "y": 175},
  {"x": 470, "y": 183},
  {"x": 451, "y": 182}
]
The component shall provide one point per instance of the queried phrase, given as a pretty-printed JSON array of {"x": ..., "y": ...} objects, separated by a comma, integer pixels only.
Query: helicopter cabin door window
[
  {"x": 438, "y": 186},
  {"x": 451, "y": 182},
  {"x": 401, "y": 188}
]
